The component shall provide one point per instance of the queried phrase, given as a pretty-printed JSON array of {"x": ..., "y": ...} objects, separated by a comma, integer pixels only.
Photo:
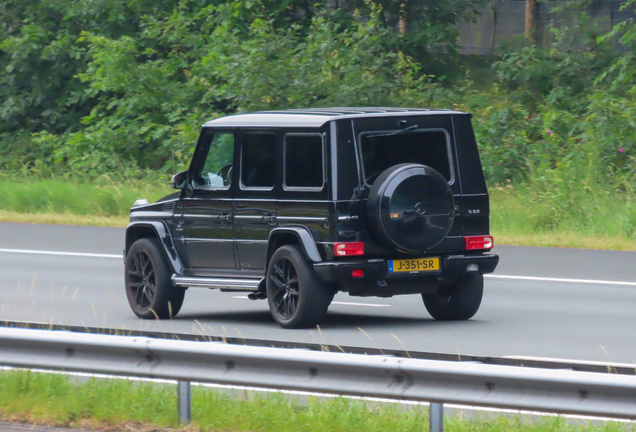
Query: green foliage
[
  {"x": 620, "y": 74},
  {"x": 90, "y": 88},
  {"x": 561, "y": 73},
  {"x": 118, "y": 88}
]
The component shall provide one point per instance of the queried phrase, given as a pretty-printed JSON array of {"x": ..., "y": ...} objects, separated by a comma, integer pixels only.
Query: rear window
[{"x": 382, "y": 150}]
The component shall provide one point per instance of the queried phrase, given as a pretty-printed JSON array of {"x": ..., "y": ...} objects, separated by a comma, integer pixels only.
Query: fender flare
[
  {"x": 162, "y": 233},
  {"x": 304, "y": 237}
]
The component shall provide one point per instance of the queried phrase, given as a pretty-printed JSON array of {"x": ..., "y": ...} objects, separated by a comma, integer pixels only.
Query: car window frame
[
  {"x": 199, "y": 166},
  {"x": 449, "y": 150},
  {"x": 323, "y": 162},
  {"x": 242, "y": 186}
]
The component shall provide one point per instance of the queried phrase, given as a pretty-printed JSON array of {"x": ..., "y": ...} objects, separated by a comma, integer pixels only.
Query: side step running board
[{"x": 228, "y": 283}]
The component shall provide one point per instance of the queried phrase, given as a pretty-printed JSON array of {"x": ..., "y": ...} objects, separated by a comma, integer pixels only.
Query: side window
[
  {"x": 258, "y": 160},
  {"x": 217, "y": 169},
  {"x": 303, "y": 161}
]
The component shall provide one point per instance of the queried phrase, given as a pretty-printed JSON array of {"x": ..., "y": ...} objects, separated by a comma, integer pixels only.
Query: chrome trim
[
  {"x": 251, "y": 217},
  {"x": 334, "y": 161},
  {"x": 157, "y": 214},
  {"x": 207, "y": 199},
  {"x": 301, "y": 218},
  {"x": 207, "y": 240},
  {"x": 245, "y": 284},
  {"x": 201, "y": 216}
]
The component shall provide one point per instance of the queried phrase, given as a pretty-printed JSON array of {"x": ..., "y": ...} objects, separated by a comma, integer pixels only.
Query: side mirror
[{"x": 180, "y": 180}]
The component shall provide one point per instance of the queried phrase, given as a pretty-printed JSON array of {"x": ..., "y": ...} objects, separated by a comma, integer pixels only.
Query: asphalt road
[{"x": 586, "y": 318}]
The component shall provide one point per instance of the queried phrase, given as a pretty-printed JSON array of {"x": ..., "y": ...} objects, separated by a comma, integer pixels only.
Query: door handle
[
  {"x": 226, "y": 217},
  {"x": 270, "y": 219}
]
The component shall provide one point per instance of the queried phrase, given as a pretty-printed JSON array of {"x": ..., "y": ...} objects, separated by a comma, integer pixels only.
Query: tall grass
[
  {"x": 72, "y": 197},
  {"x": 56, "y": 400},
  {"x": 550, "y": 211}
]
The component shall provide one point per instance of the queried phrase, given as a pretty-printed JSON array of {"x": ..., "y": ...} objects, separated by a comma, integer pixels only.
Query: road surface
[{"x": 541, "y": 302}]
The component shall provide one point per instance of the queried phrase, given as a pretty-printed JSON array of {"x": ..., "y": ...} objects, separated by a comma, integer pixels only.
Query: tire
[
  {"x": 296, "y": 296},
  {"x": 410, "y": 208},
  {"x": 149, "y": 289},
  {"x": 457, "y": 302}
]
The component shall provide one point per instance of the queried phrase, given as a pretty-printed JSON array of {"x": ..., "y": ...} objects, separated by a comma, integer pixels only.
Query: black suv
[{"x": 294, "y": 206}]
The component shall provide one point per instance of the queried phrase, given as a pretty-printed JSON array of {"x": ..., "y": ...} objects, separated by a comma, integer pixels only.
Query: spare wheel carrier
[{"x": 410, "y": 208}]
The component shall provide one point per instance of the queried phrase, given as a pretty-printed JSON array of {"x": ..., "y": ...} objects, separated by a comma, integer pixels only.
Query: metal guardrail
[
  {"x": 601, "y": 367},
  {"x": 438, "y": 382}
]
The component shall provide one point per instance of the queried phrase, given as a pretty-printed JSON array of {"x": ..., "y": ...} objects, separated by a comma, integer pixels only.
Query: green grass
[
  {"x": 592, "y": 220},
  {"x": 565, "y": 215},
  {"x": 56, "y": 400},
  {"x": 74, "y": 198}
]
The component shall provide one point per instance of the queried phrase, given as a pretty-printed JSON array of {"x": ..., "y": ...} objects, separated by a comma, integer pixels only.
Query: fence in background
[
  {"x": 500, "y": 22},
  {"x": 438, "y": 382}
]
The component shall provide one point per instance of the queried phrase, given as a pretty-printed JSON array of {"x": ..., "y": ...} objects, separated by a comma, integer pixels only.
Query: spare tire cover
[{"x": 410, "y": 207}]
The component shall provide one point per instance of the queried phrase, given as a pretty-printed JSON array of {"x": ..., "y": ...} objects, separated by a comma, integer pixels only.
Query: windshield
[{"x": 384, "y": 149}]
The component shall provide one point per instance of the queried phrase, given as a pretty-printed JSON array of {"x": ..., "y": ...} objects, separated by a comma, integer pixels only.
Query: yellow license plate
[{"x": 414, "y": 265}]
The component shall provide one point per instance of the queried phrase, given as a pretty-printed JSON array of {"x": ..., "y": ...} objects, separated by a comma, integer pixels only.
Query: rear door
[
  {"x": 255, "y": 210},
  {"x": 427, "y": 140},
  {"x": 304, "y": 198}
]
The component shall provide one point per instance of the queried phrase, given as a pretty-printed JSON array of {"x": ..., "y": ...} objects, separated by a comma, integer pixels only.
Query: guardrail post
[
  {"x": 185, "y": 408},
  {"x": 436, "y": 417}
]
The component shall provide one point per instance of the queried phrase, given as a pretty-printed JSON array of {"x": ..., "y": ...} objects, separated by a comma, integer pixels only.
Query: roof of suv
[{"x": 315, "y": 117}]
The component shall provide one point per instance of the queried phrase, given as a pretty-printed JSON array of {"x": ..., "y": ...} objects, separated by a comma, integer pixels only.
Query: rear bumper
[{"x": 378, "y": 279}]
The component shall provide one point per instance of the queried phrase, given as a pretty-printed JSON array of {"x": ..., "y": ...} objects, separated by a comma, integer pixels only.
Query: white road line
[
  {"x": 565, "y": 280},
  {"x": 570, "y": 361},
  {"x": 360, "y": 304},
  {"x": 490, "y": 276},
  {"x": 336, "y": 303},
  {"x": 75, "y": 254}
]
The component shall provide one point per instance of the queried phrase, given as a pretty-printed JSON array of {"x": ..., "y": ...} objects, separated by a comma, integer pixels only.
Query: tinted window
[
  {"x": 303, "y": 161},
  {"x": 257, "y": 159},
  {"x": 382, "y": 150},
  {"x": 217, "y": 169}
]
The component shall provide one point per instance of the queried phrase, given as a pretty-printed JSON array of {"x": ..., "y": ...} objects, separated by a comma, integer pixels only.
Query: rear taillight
[
  {"x": 478, "y": 242},
  {"x": 357, "y": 273},
  {"x": 348, "y": 249}
]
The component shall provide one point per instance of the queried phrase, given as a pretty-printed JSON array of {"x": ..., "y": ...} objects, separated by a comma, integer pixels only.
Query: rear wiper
[{"x": 398, "y": 132}]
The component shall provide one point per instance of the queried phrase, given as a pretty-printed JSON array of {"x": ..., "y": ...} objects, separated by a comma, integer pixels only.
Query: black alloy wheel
[
  {"x": 285, "y": 280},
  {"x": 142, "y": 283},
  {"x": 297, "y": 297},
  {"x": 149, "y": 289}
]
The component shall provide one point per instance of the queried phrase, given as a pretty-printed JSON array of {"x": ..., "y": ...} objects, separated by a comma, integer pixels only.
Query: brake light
[
  {"x": 357, "y": 273},
  {"x": 478, "y": 242},
  {"x": 349, "y": 249}
]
